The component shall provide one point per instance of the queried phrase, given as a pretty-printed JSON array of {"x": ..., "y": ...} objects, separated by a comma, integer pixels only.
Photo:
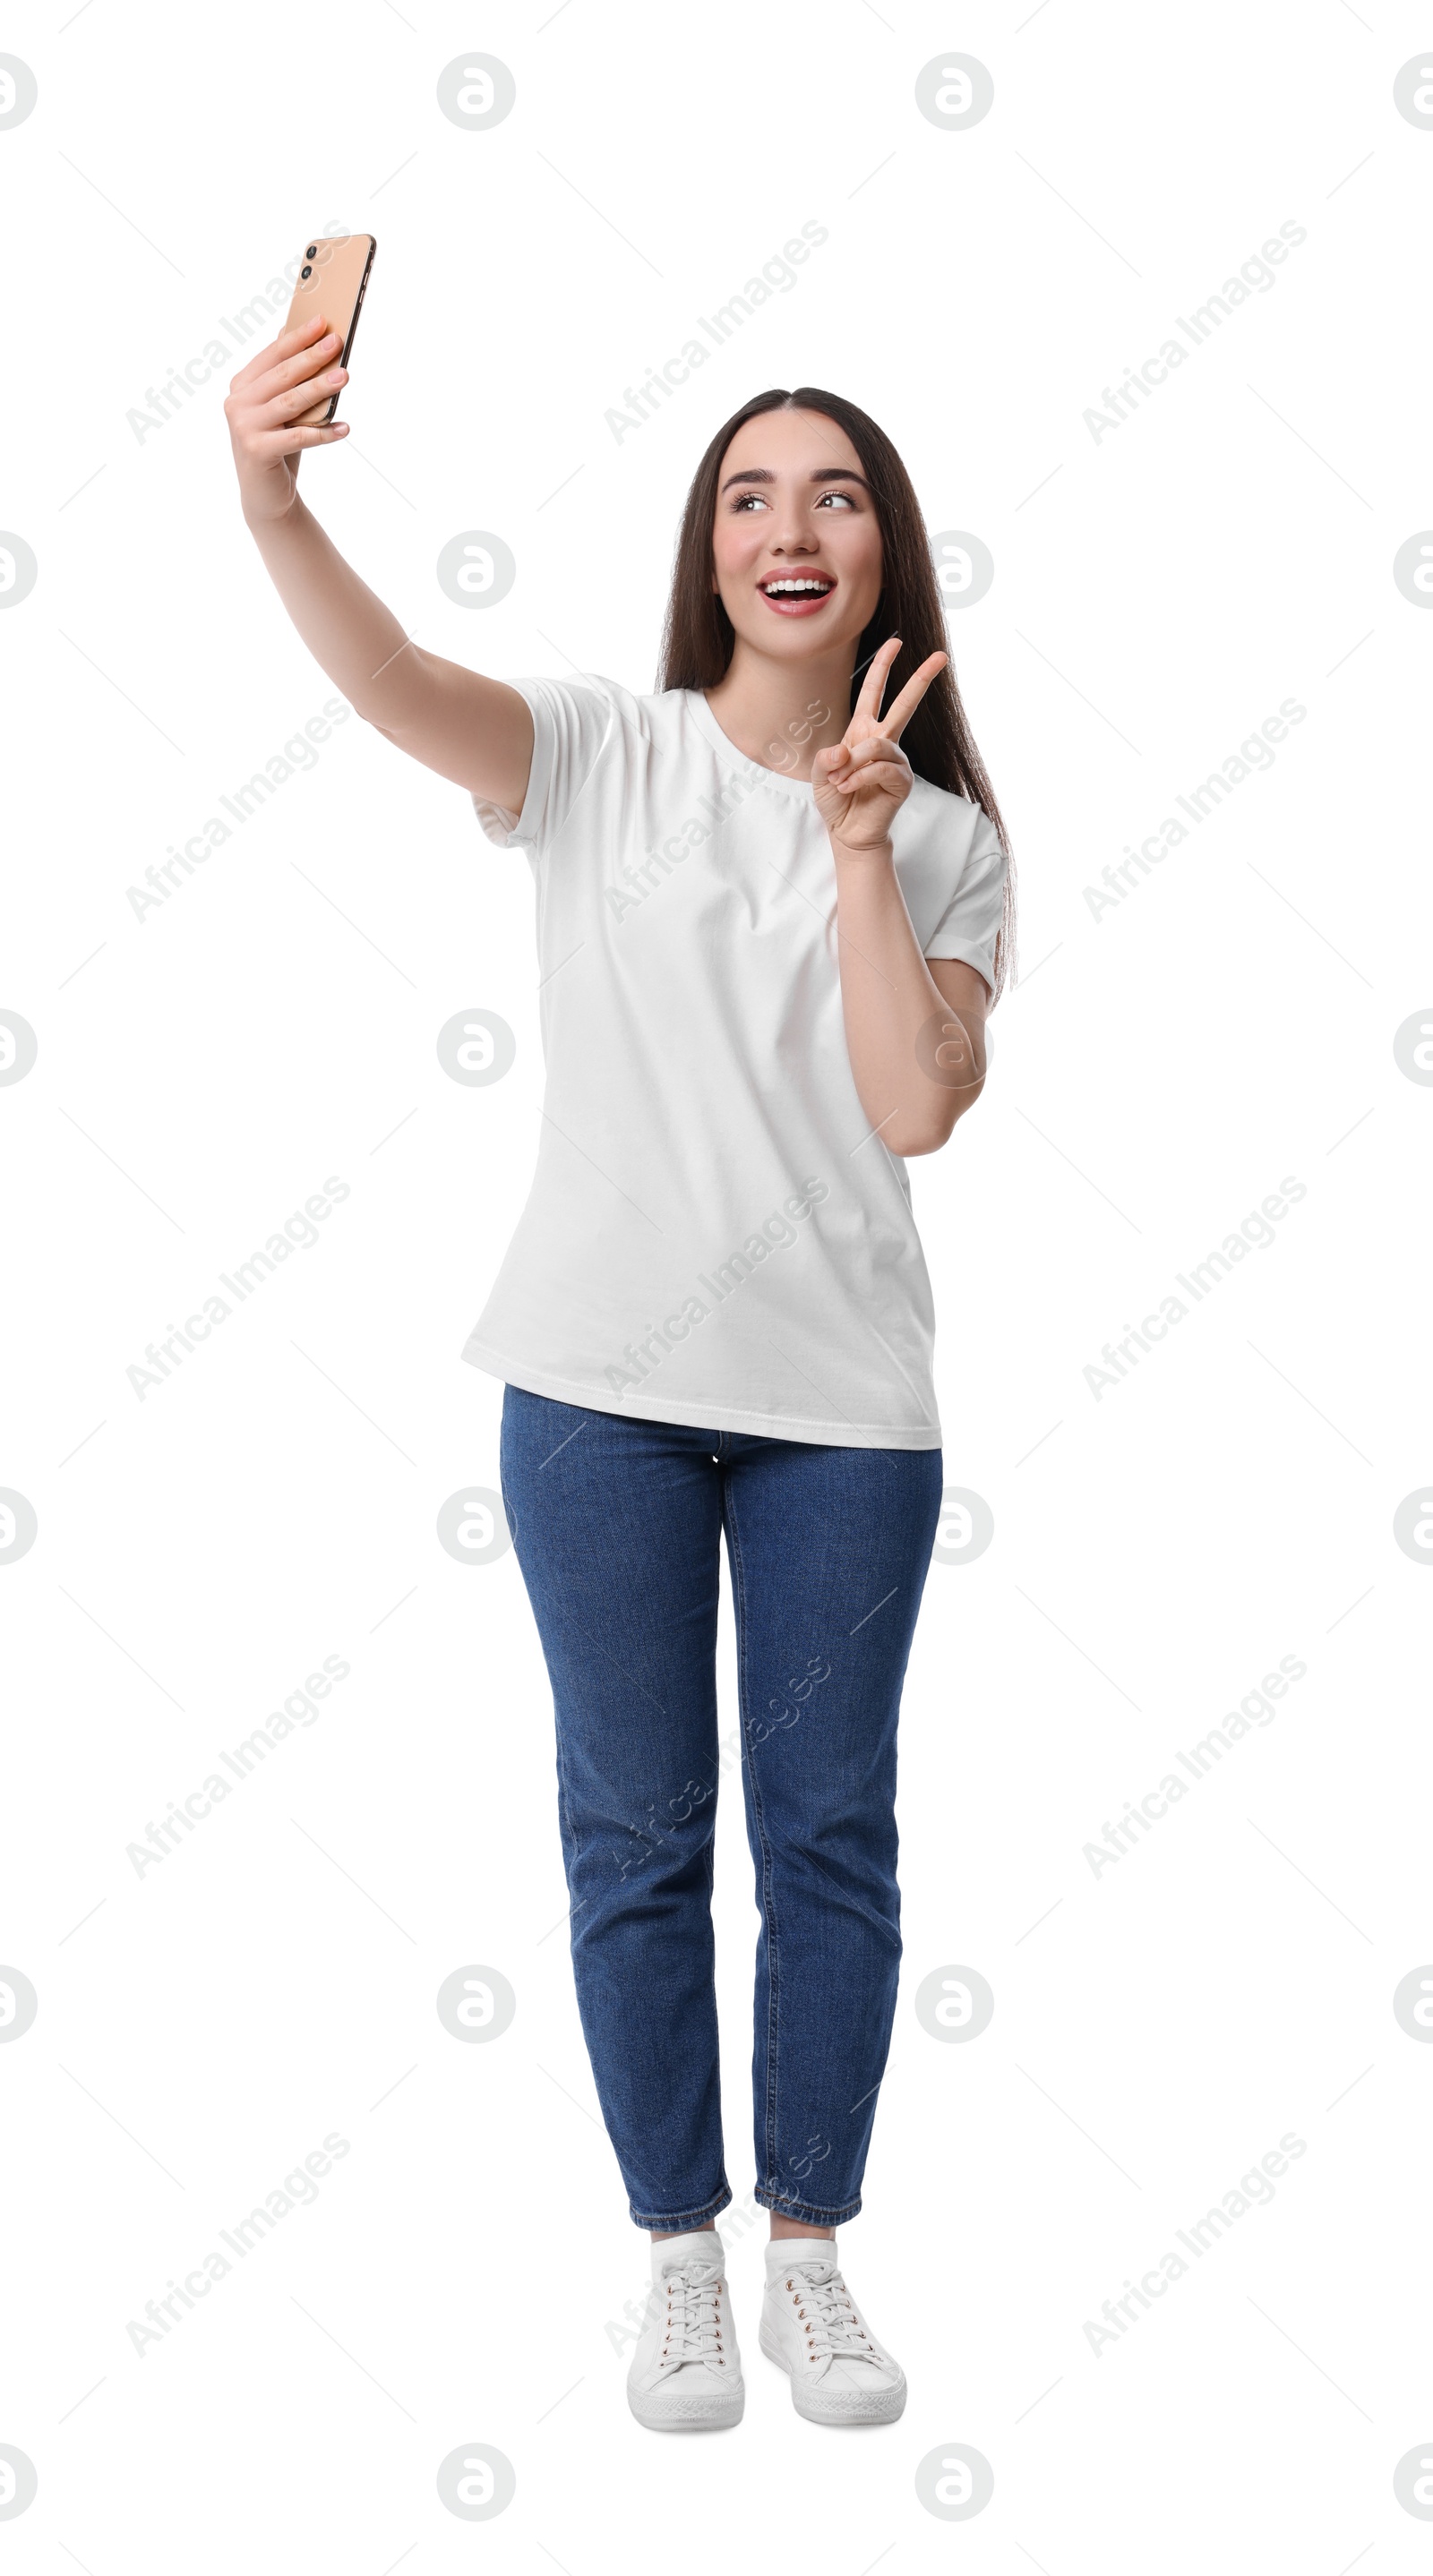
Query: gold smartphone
[{"x": 333, "y": 281}]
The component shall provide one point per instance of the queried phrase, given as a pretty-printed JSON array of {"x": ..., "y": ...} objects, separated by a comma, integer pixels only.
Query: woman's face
[{"x": 796, "y": 547}]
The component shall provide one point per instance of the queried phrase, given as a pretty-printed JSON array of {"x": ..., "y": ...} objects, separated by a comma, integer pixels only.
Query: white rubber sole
[
  {"x": 807, "y": 2401},
  {"x": 717, "y": 2417}
]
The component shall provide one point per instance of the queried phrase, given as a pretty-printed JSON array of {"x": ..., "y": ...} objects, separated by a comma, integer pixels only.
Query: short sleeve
[
  {"x": 970, "y": 923},
  {"x": 572, "y": 722}
]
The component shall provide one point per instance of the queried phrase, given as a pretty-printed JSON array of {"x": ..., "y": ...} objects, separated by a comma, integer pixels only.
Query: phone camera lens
[
  {"x": 305, "y": 272},
  {"x": 312, "y": 251}
]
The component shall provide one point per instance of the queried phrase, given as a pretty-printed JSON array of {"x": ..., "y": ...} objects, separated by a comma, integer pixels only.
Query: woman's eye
[
  {"x": 745, "y": 499},
  {"x": 843, "y": 497}
]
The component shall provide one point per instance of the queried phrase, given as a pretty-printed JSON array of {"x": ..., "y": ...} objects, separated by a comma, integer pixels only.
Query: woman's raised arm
[{"x": 477, "y": 732}]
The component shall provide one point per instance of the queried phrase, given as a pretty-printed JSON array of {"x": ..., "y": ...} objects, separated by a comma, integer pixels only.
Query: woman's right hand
[{"x": 297, "y": 370}]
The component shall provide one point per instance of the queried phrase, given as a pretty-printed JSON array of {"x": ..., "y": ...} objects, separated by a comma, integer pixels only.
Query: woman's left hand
[{"x": 863, "y": 780}]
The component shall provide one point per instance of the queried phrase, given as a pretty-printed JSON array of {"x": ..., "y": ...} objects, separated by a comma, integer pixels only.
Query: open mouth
[{"x": 796, "y": 594}]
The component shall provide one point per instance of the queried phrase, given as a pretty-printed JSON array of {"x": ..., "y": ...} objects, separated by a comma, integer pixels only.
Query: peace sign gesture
[{"x": 863, "y": 780}]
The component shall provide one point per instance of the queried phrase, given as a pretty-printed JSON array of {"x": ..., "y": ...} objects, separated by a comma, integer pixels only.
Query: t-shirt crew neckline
[{"x": 800, "y": 788}]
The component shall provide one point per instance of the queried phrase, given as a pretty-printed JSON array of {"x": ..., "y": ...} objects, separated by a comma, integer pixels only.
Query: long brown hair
[{"x": 698, "y": 636}]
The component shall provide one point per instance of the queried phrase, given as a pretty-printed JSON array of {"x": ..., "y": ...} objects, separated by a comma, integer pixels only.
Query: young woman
[{"x": 771, "y": 919}]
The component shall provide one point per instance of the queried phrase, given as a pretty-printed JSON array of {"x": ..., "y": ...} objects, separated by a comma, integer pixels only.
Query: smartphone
[{"x": 333, "y": 281}]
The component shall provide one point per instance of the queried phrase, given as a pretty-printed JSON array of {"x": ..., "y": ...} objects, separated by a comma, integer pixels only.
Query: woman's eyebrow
[{"x": 819, "y": 474}]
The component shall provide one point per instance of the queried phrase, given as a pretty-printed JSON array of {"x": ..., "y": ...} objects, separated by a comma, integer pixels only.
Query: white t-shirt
[{"x": 713, "y": 1236}]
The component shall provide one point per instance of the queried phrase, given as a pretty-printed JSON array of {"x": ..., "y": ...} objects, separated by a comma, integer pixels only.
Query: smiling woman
[
  {"x": 734, "y": 1076},
  {"x": 852, "y": 471}
]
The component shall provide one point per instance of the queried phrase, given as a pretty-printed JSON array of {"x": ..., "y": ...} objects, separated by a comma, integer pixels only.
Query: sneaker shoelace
[
  {"x": 692, "y": 2326},
  {"x": 826, "y": 2314}
]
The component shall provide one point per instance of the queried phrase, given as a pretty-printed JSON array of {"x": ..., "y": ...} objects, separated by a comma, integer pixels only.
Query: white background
[{"x": 464, "y": 2272}]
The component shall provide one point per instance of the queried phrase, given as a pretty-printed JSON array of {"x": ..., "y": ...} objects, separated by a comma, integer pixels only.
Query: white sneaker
[
  {"x": 686, "y": 2371},
  {"x": 812, "y": 2328}
]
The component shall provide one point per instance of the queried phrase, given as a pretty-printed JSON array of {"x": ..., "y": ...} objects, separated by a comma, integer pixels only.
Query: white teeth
[{"x": 795, "y": 589}]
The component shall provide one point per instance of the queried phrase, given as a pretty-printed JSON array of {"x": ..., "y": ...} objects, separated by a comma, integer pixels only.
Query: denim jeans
[{"x": 617, "y": 1525}]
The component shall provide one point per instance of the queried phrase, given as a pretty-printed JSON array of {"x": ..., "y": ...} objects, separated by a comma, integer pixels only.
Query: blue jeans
[{"x": 617, "y": 1524}]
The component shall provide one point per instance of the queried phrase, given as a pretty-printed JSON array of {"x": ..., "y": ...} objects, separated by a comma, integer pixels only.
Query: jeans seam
[
  {"x": 676, "y": 2220},
  {"x": 566, "y": 1839},
  {"x": 786, "y": 2205},
  {"x": 773, "y": 2043}
]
